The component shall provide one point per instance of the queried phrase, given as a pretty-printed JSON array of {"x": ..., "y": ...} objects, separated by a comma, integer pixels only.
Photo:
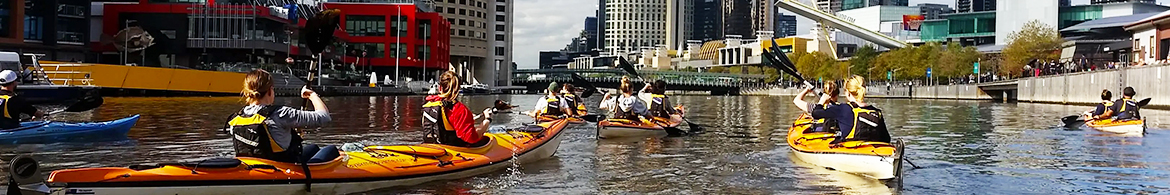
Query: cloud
[{"x": 542, "y": 25}]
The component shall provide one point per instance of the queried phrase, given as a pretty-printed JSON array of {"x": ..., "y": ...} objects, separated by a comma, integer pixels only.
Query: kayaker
[
  {"x": 626, "y": 106},
  {"x": 829, "y": 98},
  {"x": 1125, "y": 108},
  {"x": 449, "y": 122},
  {"x": 551, "y": 104},
  {"x": 1102, "y": 108},
  {"x": 857, "y": 120},
  {"x": 572, "y": 101},
  {"x": 660, "y": 104},
  {"x": 14, "y": 105},
  {"x": 263, "y": 130}
]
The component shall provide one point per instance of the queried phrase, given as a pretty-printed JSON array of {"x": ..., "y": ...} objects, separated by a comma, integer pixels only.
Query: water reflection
[{"x": 963, "y": 147}]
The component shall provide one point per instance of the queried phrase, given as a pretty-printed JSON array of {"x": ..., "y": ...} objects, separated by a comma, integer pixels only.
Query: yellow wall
[
  {"x": 137, "y": 77},
  {"x": 797, "y": 43}
]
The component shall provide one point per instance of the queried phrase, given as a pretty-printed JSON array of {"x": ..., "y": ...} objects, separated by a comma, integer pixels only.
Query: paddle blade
[
  {"x": 674, "y": 131},
  {"x": 1073, "y": 120},
  {"x": 85, "y": 104},
  {"x": 588, "y": 92},
  {"x": 318, "y": 31},
  {"x": 1144, "y": 102},
  {"x": 694, "y": 127},
  {"x": 593, "y": 117},
  {"x": 627, "y": 66}
]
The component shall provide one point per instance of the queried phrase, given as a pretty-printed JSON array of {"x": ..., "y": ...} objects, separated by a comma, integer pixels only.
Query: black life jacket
[
  {"x": 572, "y": 101},
  {"x": 553, "y": 107},
  {"x": 658, "y": 106},
  {"x": 10, "y": 120},
  {"x": 618, "y": 113},
  {"x": 824, "y": 124},
  {"x": 438, "y": 127},
  {"x": 1128, "y": 111},
  {"x": 1102, "y": 108},
  {"x": 868, "y": 125},
  {"x": 253, "y": 138}
]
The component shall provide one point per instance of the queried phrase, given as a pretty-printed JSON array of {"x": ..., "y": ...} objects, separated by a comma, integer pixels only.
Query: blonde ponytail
[
  {"x": 855, "y": 85},
  {"x": 449, "y": 86},
  {"x": 257, "y": 84}
]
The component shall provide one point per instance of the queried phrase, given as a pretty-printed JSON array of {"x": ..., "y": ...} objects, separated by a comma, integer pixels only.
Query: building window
[
  {"x": 399, "y": 23},
  {"x": 424, "y": 52},
  {"x": 500, "y": 51},
  {"x": 462, "y": 32},
  {"x": 500, "y": 18},
  {"x": 462, "y": 22},
  {"x": 500, "y": 37},
  {"x": 372, "y": 50},
  {"x": 356, "y": 25},
  {"x": 34, "y": 28},
  {"x": 500, "y": 8},
  {"x": 71, "y": 30},
  {"x": 499, "y": 27},
  {"x": 398, "y": 50},
  {"x": 451, "y": 10},
  {"x": 424, "y": 29},
  {"x": 462, "y": 12},
  {"x": 463, "y": 2}
]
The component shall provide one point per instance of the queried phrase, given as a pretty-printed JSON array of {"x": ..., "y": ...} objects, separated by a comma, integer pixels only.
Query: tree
[
  {"x": 957, "y": 61},
  {"x": 1033, "y": 41},
  {"x": 863, "y": 60},
  {"x": 736, "y": 70},
  {"x": 817, "y": 65},
  {"x": 718, "y": 69},
  {"x": 773, "y": 74}
]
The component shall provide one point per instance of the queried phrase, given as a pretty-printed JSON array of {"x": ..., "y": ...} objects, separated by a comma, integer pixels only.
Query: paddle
[
  {"x": 629, "y": 68},
  {"x": 589, "y": 88},
  {"x": 318, "y": 32},
  {"x": 1074, "y": 120},
  {"x": 84, "y": 104}
]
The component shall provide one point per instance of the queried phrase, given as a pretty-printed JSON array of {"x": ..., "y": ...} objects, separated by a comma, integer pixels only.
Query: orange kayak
[
  {"x": 373, "y": 167},
  {"x": 612, "y": 128},
  {"x": 878, "y": 160},
  {"x": 1128, "y": 127},
  {"x": 574, "y": 120}
]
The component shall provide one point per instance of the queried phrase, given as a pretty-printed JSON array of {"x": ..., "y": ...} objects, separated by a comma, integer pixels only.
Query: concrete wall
[
  {"x": 962, "y": 92},
  {"x": 1085, "y": 88}
]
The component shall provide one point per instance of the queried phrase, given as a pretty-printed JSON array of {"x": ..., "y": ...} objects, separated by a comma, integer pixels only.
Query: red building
[
  {"x": 228, "y": 31},
  {"x": 395, "y": 34}
]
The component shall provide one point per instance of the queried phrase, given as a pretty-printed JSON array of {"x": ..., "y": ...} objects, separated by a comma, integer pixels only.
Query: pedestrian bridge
[{"x": 716, "y": 83}]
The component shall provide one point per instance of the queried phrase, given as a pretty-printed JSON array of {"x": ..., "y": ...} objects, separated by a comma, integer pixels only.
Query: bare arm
[{"x": 799, "y": 100}]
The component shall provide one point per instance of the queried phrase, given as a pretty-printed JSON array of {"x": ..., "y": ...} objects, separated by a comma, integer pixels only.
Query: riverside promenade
[{"x": 1081, "y": 88}]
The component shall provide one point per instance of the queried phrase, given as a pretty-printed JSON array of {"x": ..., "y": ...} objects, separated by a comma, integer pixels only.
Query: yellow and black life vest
[
  {"x": 553, "y": 107},
  {"x": 868, "y": 125},
  {"x": 572, "y": 101},
  {"x": 658, "y": 106},
  {"x": 1128, "y": 110},
  {"x": 4, "y": 101},
  {"x": 438, "y": 127},
  {"x": 253, "y": 138},
  {"x": 9, "y": 121}
]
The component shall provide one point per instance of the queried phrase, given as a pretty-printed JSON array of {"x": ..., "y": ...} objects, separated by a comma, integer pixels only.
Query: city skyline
[{"x": 539, "y": 26}]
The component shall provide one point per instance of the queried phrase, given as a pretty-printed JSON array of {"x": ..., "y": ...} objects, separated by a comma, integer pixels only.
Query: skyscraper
[
  {"x": 964, "y": 6},
  {"x": 633, "y": 24},
  {"x": 828, "y": 6},
  {"x": 1120, "y": 1},
  {"x": 600, "y": 41},
  {"x": 678, "y": 22},
  {"x": 707, "y": 23},
  {"x": 854, "y": 4},
  {"x": 737, "y": 18},
  {"x": 591, "y": 33},
  {"x": 763, "y": 15},
  {"x": 785, "y": 25}
]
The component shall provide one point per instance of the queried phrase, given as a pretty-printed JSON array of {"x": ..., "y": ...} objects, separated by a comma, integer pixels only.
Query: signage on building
[{"x": 912, "y": 22}]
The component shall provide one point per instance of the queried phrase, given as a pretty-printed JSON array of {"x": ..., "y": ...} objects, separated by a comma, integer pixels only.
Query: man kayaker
[
  {"x": 449, "y": 122},
  {"x": 626, "y": 106},
  {"x": 857, "y": 120},
  {"x": 551, "y": 104},
  {"x": 574, "y": 103},
  {"x": 1103, "y": 107},
  {"x": 14, "y": 105},
  {"x": 263, "y": 130},
  {"x": 660, "y": 104},
  {"x": 829, "y": 99},
  {"x": 1125, "y": 108}
]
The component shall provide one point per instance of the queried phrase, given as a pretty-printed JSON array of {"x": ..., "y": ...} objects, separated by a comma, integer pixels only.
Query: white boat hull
[
  {"x": 1124, "y": 129},
  {"x": 544, "y": 151},
  {"x": 877, "y": 167},
  {"x": 616, "y": 132}
]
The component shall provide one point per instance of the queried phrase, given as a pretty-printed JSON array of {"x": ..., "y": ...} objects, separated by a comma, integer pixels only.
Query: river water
[{"x": 962, "y": 147}]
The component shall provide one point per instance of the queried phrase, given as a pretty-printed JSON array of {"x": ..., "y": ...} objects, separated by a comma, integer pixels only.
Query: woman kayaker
[
  {"x": 829, "y": 98},
  {"x": 857, "y": 120},
  {"x": 660, "y": 104},
  {"x": 551, "y": 104},
  {"x": 13, "y": 104},
  {"x": 574, "y": 102},
  {"x": 626, "y": 106},
  {"x": 1102, "y": 108},
  {"x": 264, "y": 130},
  {"x": 449, "y": 122}
]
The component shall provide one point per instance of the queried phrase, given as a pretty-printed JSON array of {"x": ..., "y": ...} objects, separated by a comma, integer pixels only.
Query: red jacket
[{"x": 462, "y": 119}]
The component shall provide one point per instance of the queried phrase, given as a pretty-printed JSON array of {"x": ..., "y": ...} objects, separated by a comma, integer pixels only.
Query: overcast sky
[{"x": 547, "y": 25}]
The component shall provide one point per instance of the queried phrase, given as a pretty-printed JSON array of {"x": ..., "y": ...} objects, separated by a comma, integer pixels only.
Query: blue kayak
[{"x": 38, "y": 129}]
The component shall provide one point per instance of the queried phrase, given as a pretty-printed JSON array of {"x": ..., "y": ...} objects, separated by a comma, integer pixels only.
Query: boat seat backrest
[{"x": 858, "y": 144}]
